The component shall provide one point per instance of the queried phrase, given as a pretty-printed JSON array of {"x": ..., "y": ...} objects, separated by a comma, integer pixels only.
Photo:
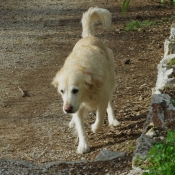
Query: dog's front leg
[
  {"x": 72, "y": 123},
  {"x": 83, "y": 145},
  {"x": 101, "y": 110}
]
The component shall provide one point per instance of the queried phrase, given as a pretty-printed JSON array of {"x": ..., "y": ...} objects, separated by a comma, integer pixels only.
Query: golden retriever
[{"x": 87, "y": 79}]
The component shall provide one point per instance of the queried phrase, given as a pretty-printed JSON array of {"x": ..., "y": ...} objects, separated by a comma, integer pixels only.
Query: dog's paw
[
  {"x": 83, "y": 148},
  {"x": 114, "y": 123},
  {"x": 72, "y": 124},
  {"x": 95, "y": 128}
]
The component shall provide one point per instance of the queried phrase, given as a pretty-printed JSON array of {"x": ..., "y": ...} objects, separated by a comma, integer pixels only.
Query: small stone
[
  {"x": 140, "y": 98},
  {"x": 117, "y": 30},
  {"x": 83, "y": 158},
  {"x": 139, "y": 30},
  {"x": 127, "y": 61},
  {"x": 162, "y": 138},
  {"x": 150, "y": 133}
]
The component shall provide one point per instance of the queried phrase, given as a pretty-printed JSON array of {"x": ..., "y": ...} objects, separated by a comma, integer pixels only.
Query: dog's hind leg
[
  {"x": 111, "y": 117},
  {"x": 78, "y": 119}
]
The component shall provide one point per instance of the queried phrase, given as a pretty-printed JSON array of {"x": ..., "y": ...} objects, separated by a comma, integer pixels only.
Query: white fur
[
  {"x": 87, "y": 79},
  {"x": 93, "y": 15}
]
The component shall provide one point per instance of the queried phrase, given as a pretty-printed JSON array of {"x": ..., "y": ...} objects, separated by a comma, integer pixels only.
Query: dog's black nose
[{"x": 68, "y": 109}]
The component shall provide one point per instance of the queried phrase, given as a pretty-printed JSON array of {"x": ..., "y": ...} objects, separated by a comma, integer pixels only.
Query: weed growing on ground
[
  {"x": 172, "y": 100},
  {"x": 172, "y": 62},
  {"x": 125, "y": 6},
  {"x": 135, "y": 25}
]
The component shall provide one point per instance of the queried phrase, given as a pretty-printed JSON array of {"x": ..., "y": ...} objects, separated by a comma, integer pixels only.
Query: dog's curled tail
[{"x": 93, "y": 15}]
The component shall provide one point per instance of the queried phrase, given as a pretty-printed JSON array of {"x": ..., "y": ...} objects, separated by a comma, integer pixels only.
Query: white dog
[{"x": 87, "y": 79}]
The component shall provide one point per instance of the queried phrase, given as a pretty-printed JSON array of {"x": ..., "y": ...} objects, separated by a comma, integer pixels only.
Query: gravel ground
[
  {"x": 16, "y": 167},
  {"x": 35, "y": 38}
]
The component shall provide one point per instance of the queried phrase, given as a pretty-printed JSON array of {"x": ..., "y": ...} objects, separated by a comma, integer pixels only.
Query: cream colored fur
[{"x": 87, "y": 79}]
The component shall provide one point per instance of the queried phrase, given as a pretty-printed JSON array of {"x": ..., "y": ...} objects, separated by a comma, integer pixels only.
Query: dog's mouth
[{"x": 69, "y": 110}]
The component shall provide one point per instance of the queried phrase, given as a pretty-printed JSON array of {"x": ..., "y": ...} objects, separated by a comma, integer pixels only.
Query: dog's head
[{"x": 74, "y": 87}]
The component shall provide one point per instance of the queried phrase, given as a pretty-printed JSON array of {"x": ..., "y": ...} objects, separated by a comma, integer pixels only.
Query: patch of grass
[
  {"x": 172, "y": 2},
  {"x": 135, "y": 25},
  {"x": 138, "y": 161},
  {"x": 172, "y": 101},
  {"x": 172, "y": 62},
  {"x": 161, "y": 158}
]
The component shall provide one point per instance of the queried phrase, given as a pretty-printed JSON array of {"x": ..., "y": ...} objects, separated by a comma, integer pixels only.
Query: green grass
[
  {"x": 125, "y": 6},
  {"x": 135, "y": 25},
  {"x": 172, "y": 62},
  {"x": 172, "y": 101},
  {"x": 172, "y": 2},
  {"x": 161, "y": 158}
]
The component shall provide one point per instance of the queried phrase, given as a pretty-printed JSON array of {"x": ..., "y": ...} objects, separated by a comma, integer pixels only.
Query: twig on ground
[
  {"x": 29, "y": 158},
  {"x": 22, "y": 92}
]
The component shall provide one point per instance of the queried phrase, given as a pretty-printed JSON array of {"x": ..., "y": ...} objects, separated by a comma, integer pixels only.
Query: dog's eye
[
  {"x": 62, "y": 91},
  {"x": 74, "y": 91}
]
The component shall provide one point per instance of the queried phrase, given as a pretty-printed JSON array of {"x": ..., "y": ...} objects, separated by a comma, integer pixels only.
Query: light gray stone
[
  {"x": 164, "y": 74},
  {"x": 143, "y": 146},
  {"x": 109, "y": 155}
]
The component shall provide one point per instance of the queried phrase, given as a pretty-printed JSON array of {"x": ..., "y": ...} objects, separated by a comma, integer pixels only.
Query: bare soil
[{"x": 35, "y": 38}]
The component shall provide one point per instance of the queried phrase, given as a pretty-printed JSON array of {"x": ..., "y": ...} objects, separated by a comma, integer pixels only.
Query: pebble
[{"x": 127, "y": 61}]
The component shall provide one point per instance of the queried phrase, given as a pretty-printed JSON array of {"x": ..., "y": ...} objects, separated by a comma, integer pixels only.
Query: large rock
[
  {"x": 169, "y": 45},
  {"x": 162, "y": 111},
  {"x": 161, "y": 115},
  {"x": 165, "y": 74}
]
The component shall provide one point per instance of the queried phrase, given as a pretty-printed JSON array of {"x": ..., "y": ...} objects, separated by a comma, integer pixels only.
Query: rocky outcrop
[{"x": 161, "y": 115}]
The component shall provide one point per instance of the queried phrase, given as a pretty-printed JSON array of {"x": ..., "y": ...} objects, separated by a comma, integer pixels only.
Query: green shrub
[{"x": 161, "y": 159}]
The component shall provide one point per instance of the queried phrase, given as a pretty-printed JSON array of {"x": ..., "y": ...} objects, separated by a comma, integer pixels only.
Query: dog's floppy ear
[
  {"x": 55, "y": 79},
  {"x": 93, "y": 81},
  {"x": 55, "y": 82}
]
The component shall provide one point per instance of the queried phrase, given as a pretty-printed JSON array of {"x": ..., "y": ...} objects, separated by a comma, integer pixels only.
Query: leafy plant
[
  {"x": 138, "y": 161},
  {"x": 125, "y": 4},
  {"x": 172, "y": 62},
  {"x": 134, "y": 25},
  {"x": 172, "y": 101},
  {"x": 161, "y": 159},
  {"x": 172, "y": 2}
]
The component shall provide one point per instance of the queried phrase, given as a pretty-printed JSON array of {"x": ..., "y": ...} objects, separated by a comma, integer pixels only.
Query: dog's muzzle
[{"x": 68, "y": 109}]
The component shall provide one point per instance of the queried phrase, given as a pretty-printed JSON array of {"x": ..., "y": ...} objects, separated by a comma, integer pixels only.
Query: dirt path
[{"x": 35, "y": 38}]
